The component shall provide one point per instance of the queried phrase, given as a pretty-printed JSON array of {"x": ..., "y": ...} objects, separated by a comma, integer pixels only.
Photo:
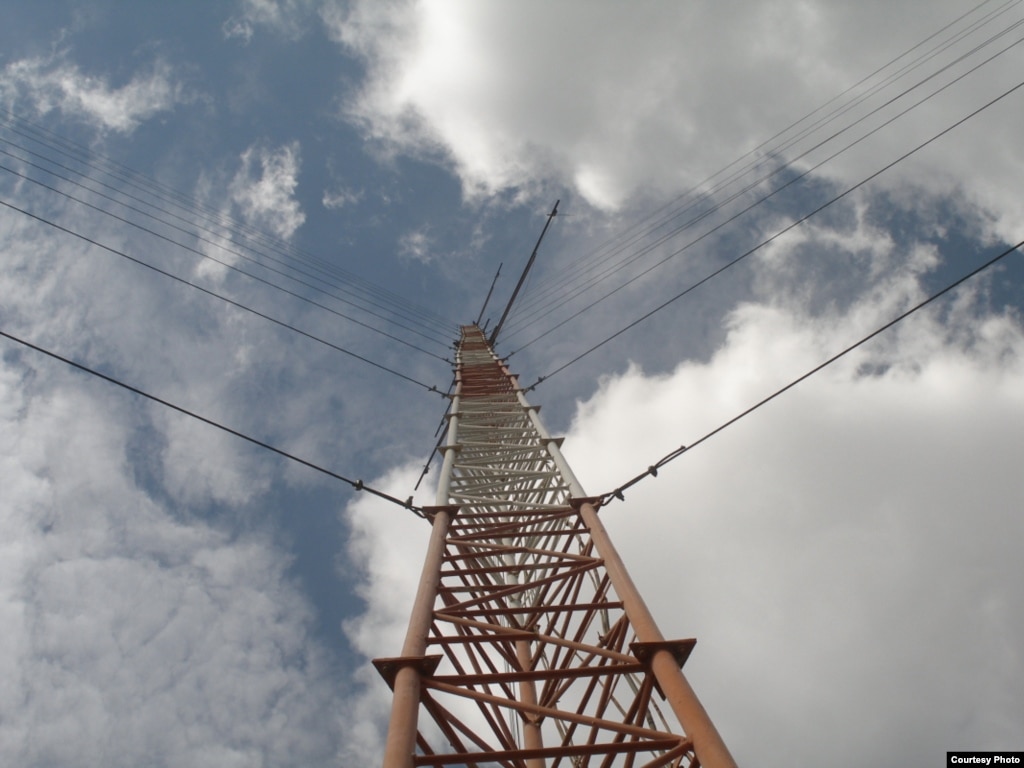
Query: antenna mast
[
  {"x": 528, "y": 644},
  {"x": 522, "y": 277},
  {"x": 489, "y": 292}
]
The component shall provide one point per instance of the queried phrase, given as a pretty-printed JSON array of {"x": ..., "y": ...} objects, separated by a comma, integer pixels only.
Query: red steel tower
[{"x": 529, "y": 645}]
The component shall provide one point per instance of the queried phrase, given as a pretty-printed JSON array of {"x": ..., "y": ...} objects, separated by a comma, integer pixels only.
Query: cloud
[
  {"x": 616, "y": 101},
  {"x": 148, "y": 595},
  {"x": 51, "y": 83},
  {"x": 817, "y": 549},
  {"x": 283, "y": 17},
  {"x": 339, "y": 198},
  {"x": 148, "y": 604},
  {"x": 416, "y": 245},
  {"x": 129, "y": 633},
  {"x": 264, "y": 189},
  {"x": 386, "y": 545},
  {"x": 853, "y": 541},
  {"x": 849, "y": 542}
]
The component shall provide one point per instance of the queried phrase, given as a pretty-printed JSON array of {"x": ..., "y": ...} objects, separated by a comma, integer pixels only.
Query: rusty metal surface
[{"x": 537, "y": 662}]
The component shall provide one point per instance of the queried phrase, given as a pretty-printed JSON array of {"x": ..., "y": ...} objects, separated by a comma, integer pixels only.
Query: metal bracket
[
  {"x": 452, "y": 509},
  {"x": 578, "y": 501},
  {"x": 680, "y": 650},
  {"x": 388, "y": 668}
]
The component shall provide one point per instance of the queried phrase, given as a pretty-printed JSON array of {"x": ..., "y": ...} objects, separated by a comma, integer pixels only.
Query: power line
[
  {"x": 593, "y": 264},
  {"x": 399, "y": 305},
  {"x": 396, "y": 309},
  {"x": 670, "y": 206},
  {"x": 216, "y": 295},
  {"x": 358, "y": 485},
  {"x": 440, "y": 438},
  {"x": 652, "y": 471},
  {"x": 626, "y": 261},
  {"x": 189, "y": 203},
  {"x": 223, "y": 263},
  {"x": 778, "y": 234}
]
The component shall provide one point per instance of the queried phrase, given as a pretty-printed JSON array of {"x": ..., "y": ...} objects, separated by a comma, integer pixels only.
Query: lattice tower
[{"x": 528, "y": 643}]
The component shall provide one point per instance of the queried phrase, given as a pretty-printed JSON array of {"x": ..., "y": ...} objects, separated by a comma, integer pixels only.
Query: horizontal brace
[
  {"x": 522, "y": 518},
  {"x": 549, "y": 712},
  {"x": 490, "y": 535},
  {"x": 482, "y": 550},
  {"x": 517, "y": 756},
  {"x": 611, "y": 605},
  {"x": 538, "y": 638},
  {"x": 520, "y": 634},
  {"x": 491, "y": 678},
  {"x": 511, "y": 568},
  {"x": 509, "y": 473},
  {"x": 563, "y": 511},
  {"x": 468, "y": 500},
  {"x": 504, "y": 591}
]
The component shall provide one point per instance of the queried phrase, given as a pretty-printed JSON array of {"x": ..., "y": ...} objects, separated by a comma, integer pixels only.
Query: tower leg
[
  {"x": 707, "y": 743},
  {"x": 528, "y": 695},
  {"x": 401, "y": 741}
]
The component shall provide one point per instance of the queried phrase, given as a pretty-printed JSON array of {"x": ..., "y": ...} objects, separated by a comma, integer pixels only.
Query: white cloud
[
  {"x": 849, "y": 542},
  {"x": 51, "y": 83},
  {"x": 416, "y": 245},
  {"x": 846, "y": 556},
  {"x": 334, "y": 199},
  {"x": 283, "y": 17},
  {"x": 613, "y": 99},
  {"x": 220, "y": 251},
  {"x": 860, "y": 477},
  {"x": 202, "y": 464},
  {"x": 387, "y": 545},
  {"x": 133, "y": 625},
  {"x": 127, "y": 633},
  {"x": 264, "y": 188}
]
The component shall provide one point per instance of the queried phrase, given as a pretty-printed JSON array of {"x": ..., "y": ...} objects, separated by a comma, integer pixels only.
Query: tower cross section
[{"x": 528, "y": 644}]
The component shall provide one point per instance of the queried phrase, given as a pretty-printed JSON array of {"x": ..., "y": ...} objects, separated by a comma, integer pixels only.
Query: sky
[{"x": 276, "y": 214}]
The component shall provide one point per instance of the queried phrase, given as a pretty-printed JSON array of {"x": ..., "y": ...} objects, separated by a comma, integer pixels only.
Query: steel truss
[{"x": 528, "y": 643}]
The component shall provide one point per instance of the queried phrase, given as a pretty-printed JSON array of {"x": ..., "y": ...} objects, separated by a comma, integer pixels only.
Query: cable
[
  {"x": 397, "y": 309},
  {"x": 358, "y": 485},
  {"x": 516, "y": 327},
  {"x": 778, "y": 234},
  {"x": 189, "y": 203},
  {"x": 652, "y": 470},
  {"x": 396, "y": 304},
  {"x": 664, "y": 238},
  {"x": 753, "y": 152},
  {"x": 225, "y": 299},
  {"x": 440, "y": 438},
  {"x": 225, "y": 264}
]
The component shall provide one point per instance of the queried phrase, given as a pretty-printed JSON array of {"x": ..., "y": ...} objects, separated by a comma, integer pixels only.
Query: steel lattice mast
[{"x": 528, "y": 643}]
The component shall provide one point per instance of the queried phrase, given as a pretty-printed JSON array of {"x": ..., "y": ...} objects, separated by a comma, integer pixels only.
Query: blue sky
[{"x": 846, "y": 556}]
